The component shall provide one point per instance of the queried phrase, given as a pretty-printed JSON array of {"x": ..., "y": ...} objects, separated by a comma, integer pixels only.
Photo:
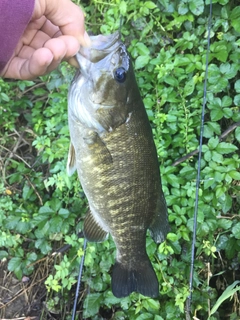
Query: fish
[{"x": 112, "y": 148}]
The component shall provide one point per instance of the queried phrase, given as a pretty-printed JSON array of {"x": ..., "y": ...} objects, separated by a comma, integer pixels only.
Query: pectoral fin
[
  {"x": 71, "y": 163},
  {"x": 92, "y": 230}
]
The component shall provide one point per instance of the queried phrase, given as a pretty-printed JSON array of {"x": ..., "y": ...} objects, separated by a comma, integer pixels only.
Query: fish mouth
[
  {"x": 101, "y": 46},
  {"x": 106, "y": 51}
]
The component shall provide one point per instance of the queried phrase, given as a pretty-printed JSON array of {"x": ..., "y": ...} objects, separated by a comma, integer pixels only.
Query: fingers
[
  {"x": 31, "y": 63},
  {"x": 27, "y": 69},
  {"x": 64, "y": 14}
]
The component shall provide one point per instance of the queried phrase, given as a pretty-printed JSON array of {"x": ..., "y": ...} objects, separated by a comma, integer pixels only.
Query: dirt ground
[{"x": 21, "y": 299}]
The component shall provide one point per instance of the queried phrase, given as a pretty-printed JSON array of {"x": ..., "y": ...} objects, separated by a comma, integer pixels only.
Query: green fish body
[{"x": 113, "y": 150}]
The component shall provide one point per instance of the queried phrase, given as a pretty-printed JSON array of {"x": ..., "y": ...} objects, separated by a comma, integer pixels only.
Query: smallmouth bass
[{"x": 113, "y": 150}]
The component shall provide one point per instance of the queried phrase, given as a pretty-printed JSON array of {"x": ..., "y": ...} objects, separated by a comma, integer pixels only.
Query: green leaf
[
  {"x": 225, "y": 224},
  {"x": 144, "y": 316},
  {"x": 225, "y": 148},
  {"x": 216, "y": 114},
  {"x": 236, "y": 230},
  {"x": 234, "y": 174},
  {"x": 153, "y": 304},
  {"x": 189, "y": 88},
  {"x": 197, "y": 7},
  {"x": 172, "y": 81},
  {"x": 92, "y": 304},
  {"x": 237, "y": 100},
  {"x": 212, "y": 143},
  {"x": 172, "y": 236},
  {"x": 23, "y": 227},
  {"x": 142, "y": 49},
  {"x": 226, "y": 101},
  {"x": 237, "y": 86},
  {"x": 56, "y": 224},
  {"x": 43, "y": 245},
  {"x": 3, "y": 254},
  {"x": 150, "y": 5},
  {"x": 234, "y": 17},
  {"x": 45, "y": 210},
  {"x": 123, "y": 8},
  {"x": 141, "y": 61},
  {"x": 183, "y": 8},
  {"x": 14, "y": 263},
  {"x": 237, "y": 134},
  {"x": 64, "y": 213},
  {"x": 4, "y": 97}
]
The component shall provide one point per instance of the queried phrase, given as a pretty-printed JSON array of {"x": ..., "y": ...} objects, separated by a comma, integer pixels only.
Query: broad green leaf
[
  {"x": 189, "y": 88},
  {"x": 45, "y": 210},
  {"x": 234, "y": 174},
  {"x": 212, "y": 143},
  {"x": 183, "y": 8},
  {"x": 142, "y": 49},
  {"x": 172, "y": 236},
  {"x": 237, "y": 86},
  {"x": 43, "y": 245},
  {"x": 229, "y": 70},
  {"x": 172, "y": 81},
  {"x": 153, "y": 304},
  {"x": 236, "y": 230},
  {"x": 3, "y": 254},
  {"x": 141, "y": 61},
  {"x": 23, "y": 227},
  {"x": 225, "y": 224},
  {"x": 196, "y": 6},
  {"x": 4, "y": 97},
  {"x": 236, "y": 100},
  {"x": 123, "y": 8},
  {"x": 92, "y": 304},
  {"x": 150, "y": 5},
  {"x": 234, "y": 17},
  {"x": 14, "y": 263},
  {"x": 237, "y": 133},
  {"x": 226, "y": 101},
  {"x": 225, "y": 148},
  {"x": 64, "y": 213},
  {"x": 55, "y": 224},
  {"x": 216, "y": 114}
]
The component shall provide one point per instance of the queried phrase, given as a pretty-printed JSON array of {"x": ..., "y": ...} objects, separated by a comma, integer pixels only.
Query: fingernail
[
  {"x": 73, "y": 62},
  {"x": 87, "y": 39}
]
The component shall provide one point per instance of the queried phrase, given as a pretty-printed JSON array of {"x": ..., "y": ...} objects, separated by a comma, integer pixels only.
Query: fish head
[{"x": 101, "y": 87}]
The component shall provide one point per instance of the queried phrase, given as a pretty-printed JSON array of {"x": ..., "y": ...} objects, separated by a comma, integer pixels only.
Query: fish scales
[{"x": 113, "y": 150}]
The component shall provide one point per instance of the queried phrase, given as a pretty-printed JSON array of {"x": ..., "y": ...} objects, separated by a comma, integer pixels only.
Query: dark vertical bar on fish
[{"x": 113, "y": 150}]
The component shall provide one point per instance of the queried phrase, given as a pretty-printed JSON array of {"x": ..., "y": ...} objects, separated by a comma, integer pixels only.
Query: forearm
[{"x": 14, "y": 17}]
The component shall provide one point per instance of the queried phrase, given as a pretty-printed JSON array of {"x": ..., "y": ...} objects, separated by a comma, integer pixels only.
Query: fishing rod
[
  {"x": 189, "y": 299},
  {"x": 79, "y": 279}
]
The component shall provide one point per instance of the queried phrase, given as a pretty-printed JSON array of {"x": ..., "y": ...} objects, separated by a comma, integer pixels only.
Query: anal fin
[
  {"x": 91, "y": 229},
  {"x": 159, "y": 227}
]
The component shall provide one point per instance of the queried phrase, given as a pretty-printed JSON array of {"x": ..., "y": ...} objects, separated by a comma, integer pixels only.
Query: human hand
[{"x": 55, "y": 33}]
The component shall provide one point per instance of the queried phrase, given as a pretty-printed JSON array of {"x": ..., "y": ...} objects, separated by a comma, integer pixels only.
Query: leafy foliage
[{"x": 41, "y": 208}]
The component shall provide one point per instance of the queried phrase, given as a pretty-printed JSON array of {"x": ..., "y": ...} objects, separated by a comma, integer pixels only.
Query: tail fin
[{"x": 142, "y": 280}]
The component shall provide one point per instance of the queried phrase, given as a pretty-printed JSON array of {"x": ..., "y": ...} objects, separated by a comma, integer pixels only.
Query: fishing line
[
  {"x": 79, "y": 279},
  {"x": 189, "y": 300}
]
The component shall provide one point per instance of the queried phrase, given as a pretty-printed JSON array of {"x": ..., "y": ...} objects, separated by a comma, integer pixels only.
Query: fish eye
[{"x": 120, "y": 75}]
